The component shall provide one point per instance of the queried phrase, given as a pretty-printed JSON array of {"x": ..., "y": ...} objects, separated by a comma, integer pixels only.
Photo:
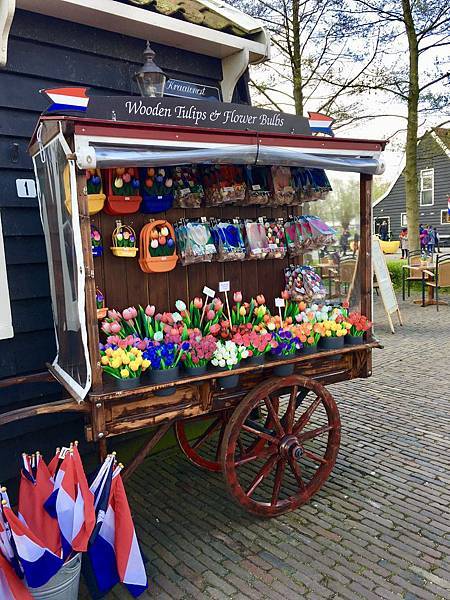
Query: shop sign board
[{"x": 187, "y": 89}]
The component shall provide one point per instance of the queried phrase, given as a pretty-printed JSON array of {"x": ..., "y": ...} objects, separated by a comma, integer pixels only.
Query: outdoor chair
[
  {"x": 329, "y": 274},
  {"x": 411, "y": 272},
  {"x": 439, "y": 279},
  {"x": 347, "y": 268}
]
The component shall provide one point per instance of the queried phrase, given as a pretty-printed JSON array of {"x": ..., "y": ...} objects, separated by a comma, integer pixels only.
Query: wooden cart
[{"x": 274, "y": 438}]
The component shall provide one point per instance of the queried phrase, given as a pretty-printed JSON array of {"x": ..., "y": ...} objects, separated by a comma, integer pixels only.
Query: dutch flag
[
  {"x": 11, "y": 587},
  {"x": 68, "y": 98},
  {"x": 38, "y": 562},
  {"x": 114, "y": 552},
  {"x": 72, "y": 503},
  {"x": 320, "y": 123},
  {"x": 35, "y": 488}
]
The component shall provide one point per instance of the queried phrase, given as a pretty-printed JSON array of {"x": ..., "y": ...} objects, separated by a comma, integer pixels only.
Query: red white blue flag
[
  {"x": 11, "y": 587},
  {"x": 114, "y": 552},
  {"x": 35, "y": 487},
  {"x": 38, "y": 562},
  {"x": 320, "y": 123},
  {"x": 68, "y": 98}
]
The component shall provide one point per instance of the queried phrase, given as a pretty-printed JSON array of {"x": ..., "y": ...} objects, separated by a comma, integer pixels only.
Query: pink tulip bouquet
[
  {"x": 198, "y": 316},
  {"x": 201, "y": 350},
  {"x": 256, "y": 343}
]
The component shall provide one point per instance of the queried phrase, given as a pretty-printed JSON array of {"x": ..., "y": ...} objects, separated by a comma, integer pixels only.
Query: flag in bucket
[
  {"x": 114, "y": 550},
  {"x": 35, "y": 487},
  {"x": 11, "y": 587},
  {"x": 38, "y": 562}
]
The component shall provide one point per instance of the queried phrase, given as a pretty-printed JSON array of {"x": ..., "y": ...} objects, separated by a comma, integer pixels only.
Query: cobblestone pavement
[{"x": 379, "y": 528}]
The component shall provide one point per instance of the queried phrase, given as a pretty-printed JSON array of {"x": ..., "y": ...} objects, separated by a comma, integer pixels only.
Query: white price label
[
  {"x": 224, "y": 286},
  {"x": 279, "y": 302},
  {"x": 228, "y": 189},
  {"x": 209, "y": 292},
  {"x": 185, "y": 191},
  {"x": 256, "y": 188},
  {"x": 26, "y": 188}
]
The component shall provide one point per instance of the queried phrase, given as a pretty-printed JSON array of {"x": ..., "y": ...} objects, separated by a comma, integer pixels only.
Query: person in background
[
  {"x": 384, "y": 231},
  {"x": 355, "y": 243},
  {"x": 404, "y": 242},
  {"x": 436, "y": 239},
  {"x": 344, "y": 241},
  {"x": 431, "y": 241},
  {"x": 424, "y": 239}
]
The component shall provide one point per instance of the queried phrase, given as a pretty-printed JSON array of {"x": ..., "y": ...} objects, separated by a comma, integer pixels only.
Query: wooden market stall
[{"x": 261, "y": 422}]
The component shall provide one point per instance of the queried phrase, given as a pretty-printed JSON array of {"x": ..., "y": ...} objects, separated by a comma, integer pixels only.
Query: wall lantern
[{"x": 150, "y": 78}]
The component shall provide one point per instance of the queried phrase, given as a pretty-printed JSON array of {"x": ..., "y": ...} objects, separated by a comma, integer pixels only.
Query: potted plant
[
  {"x": 96, "y": 197},
  {"x": 286, "y": 344},
  {"x": 256, "y": 343},
  {"x": 199, "y": 354},
  {"x": 334, "y": 333},
  {"x": 164, "y": 357},
  {"x": 227, "y": 356},
  {"x": 157, "y": 190},
  {"x": 123, "y": 191},
  {"x": 96, "y": 241},
  {"x": 359, "y": 325},
  {"x": 125, "y": 364},
  {"x": 124, "y": 241}
]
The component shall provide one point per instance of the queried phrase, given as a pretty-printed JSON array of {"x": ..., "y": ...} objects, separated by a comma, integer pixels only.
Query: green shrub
[{"x": 395, "y": 268}]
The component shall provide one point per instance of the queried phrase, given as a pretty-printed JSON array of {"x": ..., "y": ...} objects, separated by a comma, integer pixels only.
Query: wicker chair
[
  {"x": 440, "y": 277},
  {"x": 411, "y": 272},
  {"x": 347, "y": 268}
]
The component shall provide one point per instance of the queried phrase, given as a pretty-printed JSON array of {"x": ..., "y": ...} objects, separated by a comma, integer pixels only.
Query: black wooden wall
[{"x": 45, "y": 52}]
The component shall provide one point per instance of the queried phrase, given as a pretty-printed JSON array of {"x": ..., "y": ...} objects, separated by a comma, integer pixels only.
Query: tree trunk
[
  {"x": 296, "y": 59},
  {"x": 411, "y": 188}
]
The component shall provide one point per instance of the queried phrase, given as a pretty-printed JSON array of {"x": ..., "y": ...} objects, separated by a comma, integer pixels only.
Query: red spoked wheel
[
  {"x": 200, "y": 440},
  {"x": 296, "y": 440}
]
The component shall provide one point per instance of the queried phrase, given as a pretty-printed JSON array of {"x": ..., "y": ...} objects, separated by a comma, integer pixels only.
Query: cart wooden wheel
[
  {"x": 203, "y": 447},
  {"x": 296, "y": 438}
]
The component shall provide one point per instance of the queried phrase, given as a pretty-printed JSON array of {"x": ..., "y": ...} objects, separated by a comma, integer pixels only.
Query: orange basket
[
  {"x": 157, "y": 251},
  {"x": 126, "y": 204}
]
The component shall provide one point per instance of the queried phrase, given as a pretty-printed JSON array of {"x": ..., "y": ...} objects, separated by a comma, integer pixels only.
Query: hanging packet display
[
  {"x": 303, "y": 283},
  {"x": 188, "y": 190},
  {"x": 228, "y": 240},
  {"x": 258, "y": 184},
  {"x": 194, "y": 242},
  {"x": 223, "y": 184},
  {"x": 256, "y": 239},
  {"x": 276, "y": 238},
  {"x": 282, "y": 185}
]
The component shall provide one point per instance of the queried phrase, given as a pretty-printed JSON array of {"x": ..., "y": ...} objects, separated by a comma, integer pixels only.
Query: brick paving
[{"x": 380, "y": 526}]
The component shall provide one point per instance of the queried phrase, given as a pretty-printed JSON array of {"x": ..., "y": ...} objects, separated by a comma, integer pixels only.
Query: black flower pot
[
  {"x": 127, "y": 384},
  {"x": 331, "y": 343},
  {"x": 230, "y": 381},
  {"x": 194, "y": 371},
  {"x": 158, "y": 376},
  {"x": 284, "y": 370},
  {"x": 256, "y": 359},
  {"x": 353, "y": 340},
  {"x": 310, "y": 349}
]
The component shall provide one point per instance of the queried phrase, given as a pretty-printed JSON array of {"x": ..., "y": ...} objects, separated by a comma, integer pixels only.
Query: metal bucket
[{"x": 62, "y": 586}]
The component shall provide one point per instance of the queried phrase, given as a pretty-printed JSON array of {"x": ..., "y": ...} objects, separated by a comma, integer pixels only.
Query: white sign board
[
  {"x": 383, "y": 278},
  {"x": 26, "y": 188}
]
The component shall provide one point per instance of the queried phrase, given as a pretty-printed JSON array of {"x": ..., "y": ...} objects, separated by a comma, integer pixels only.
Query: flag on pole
[
  {"x": 7, "y": 545},
  {"x": 69, "y": 98},
  {"x": 11, "y": 587},
  {"x": 114, "y": 553},
  {"x": 35, "y": 488},
  {"x": 38, "y": 562}
]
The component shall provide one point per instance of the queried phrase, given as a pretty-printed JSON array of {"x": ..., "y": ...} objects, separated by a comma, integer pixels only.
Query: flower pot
[
  {"x": 126, "y": 252},
  {"x": 310, "y": 349},
  {"x": 126, "y": 384},
  {"x": 284, "y": 370},
  {"x": 230, "y": 381},
  {"x": 331, "y": 343},
  {"x": 95, "y": 203},
  {"x": 97, "y": 251},
  {"x": 256, "y": 359},
  {"x": 155, "y": 204},
  {"x": 354, "y": 340},
  {"x": 194, "y": 371},
  {"x": 158, "y": 376}
]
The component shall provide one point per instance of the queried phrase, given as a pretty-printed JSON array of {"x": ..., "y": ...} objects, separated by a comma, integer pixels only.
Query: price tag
[
  {"x": 26, "y": 188},
  {"x": 256, "y": 188},
  {"x": 279, "y": 302},
  {"x": 224, "y": 286},
  {"x": 159, "y": 197},
  {"x": 209, "y": 292},
  {"x": 185, "y": 191},
  {"x": 228, "y": 189}
]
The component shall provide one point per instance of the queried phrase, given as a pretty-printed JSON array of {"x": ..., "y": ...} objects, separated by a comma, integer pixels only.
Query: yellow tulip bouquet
[{"x": 123, "y": 363}]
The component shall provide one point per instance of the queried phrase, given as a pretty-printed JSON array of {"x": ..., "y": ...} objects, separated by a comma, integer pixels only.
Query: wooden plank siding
[
  {"x": 429, "y": 156},
  {"x": 45, "y": 52}
]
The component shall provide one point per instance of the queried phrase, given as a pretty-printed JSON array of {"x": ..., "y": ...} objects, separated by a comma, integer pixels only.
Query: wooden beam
[
  {"x": 59, "y": 406},
  {"x": 365, "y": 258},
  {"x": 41, "y": 377},
  {"x": 146, "y": 449}
]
